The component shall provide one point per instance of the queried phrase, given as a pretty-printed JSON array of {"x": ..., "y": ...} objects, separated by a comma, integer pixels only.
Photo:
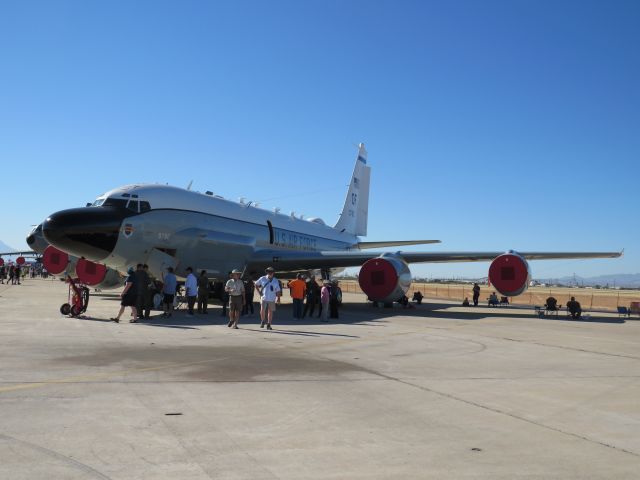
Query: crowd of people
[
  {"x": 13, "y": 274},
  {"x": 237, "y": 295}
]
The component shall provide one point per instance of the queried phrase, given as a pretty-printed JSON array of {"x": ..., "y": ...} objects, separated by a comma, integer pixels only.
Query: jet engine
[
  {"x": 54, "y": 260},
  {"x": 90, "y": 273},
  {"x": 509, "y": 274},
  {"x": 97, "y": 275},
  {"x": 385, "y": 278},
  {"x": 93, "y": 274}
]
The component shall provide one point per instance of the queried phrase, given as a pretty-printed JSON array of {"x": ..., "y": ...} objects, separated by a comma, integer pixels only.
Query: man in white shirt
[
  {"x": 235, "y": 288},
  {"x": 191, "y": 290},
  {"x": 269, "y": 289}
]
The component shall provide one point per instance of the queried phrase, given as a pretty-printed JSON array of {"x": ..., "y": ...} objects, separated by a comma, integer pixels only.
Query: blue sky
[{"x": 490, "y": 125}]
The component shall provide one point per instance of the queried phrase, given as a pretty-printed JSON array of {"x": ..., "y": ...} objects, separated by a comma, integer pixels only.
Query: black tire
[
  {"x": 75, "y": 311},
  {"x": 65, "y": 309}
]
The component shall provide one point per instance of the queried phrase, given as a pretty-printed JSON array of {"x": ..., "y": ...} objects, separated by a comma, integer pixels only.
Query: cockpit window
[
  {"x": 98, "y": 202},
  {"x": 130, "y": 203},
  {"x": 115, "y": 202}
]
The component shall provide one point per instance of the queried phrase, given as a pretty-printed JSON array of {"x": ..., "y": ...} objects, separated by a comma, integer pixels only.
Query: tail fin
[{"x": 353, "y": 218}]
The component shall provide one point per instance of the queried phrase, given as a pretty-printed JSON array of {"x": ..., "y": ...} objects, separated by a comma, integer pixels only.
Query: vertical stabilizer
[{"x": 353, "y": 218}]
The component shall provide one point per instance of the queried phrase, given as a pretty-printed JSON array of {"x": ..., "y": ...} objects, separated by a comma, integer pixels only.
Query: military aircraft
[{"x": 166, "y": 226}]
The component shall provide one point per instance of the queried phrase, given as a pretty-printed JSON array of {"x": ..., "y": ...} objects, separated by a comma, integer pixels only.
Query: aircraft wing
[
  {"x": 287, "y": 260},
  {"x": 25, "y": 252}
]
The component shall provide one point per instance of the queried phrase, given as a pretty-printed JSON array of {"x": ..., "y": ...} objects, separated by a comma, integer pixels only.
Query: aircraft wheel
[
  {"x": 65, "y": 309},
  {"x": 75, "y": 311}
]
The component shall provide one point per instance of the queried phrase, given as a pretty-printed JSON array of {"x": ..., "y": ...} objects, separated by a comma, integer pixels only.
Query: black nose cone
[{"x": 84, "y": 232}]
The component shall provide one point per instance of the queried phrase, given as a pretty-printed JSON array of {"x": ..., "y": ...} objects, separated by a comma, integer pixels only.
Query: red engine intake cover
[
  {"x": 90, "y": 273},
  {"x": 20, "y": 260},
  {"x": 384, "y": 279},
  {"x": 54, "y": 260},
  {"x": 1, "y": 262},
  {"x": 509, "y": 274}
]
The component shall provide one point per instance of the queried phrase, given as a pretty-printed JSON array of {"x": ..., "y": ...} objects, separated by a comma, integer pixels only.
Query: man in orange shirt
[{"x": 297, "y": 288}]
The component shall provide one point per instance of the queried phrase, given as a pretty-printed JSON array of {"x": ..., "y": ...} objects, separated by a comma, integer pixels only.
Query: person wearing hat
[
  {"x": 325, "y": 295},
  {"x": 235, "y": 288},
  {"x": 269, "y": 289},
  {"x": 129, "y": 296}
]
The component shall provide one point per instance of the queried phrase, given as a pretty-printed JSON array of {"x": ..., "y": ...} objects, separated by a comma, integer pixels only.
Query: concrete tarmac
[{"x": 436, "y": 392}]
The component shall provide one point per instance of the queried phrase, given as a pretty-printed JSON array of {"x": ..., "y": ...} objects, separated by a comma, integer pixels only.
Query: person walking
[
  {"x": 297, "y": 290},
  {"x": 203, "y": 292},
  {"x": 191, "y": 290},
  {"x": 169, "y": 286},
  {"x": 269, "y": 290},
  {"x": 325, "y": 294},
  {"x": 313, "y": 294},
  {"x": 18, "y": 274},
  {"x": 12, "y": 272},
  {"x": 128, "y": 296},
  {"x": 235, "y": 288},
  {"x": 476, "y": 294}
]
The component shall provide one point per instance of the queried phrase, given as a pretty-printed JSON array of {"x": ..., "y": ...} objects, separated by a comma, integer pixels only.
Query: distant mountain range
[
  {"x": 629, "y": 280},
  {"x": 6, "y": 248}
]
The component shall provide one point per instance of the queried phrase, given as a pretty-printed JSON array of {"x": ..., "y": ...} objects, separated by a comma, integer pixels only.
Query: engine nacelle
[
  {"x": 54, "y": 260},
  {"x": 97, "y": 275},
  {"x": 509, "y": 274},
  {"x": 385, "y": 279},
  {"x": 90, "y": 273}
]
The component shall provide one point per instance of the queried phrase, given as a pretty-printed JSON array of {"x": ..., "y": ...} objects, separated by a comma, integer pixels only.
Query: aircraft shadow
[
  {"x": 441, "y": 311},
  {"x": 358, "y": 314}
]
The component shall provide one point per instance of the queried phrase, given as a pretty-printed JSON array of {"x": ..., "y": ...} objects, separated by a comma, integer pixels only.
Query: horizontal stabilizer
[{"x": 394, "y": 243}]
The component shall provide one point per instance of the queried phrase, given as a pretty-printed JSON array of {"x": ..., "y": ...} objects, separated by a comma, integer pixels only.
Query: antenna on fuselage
[{"x": 189, "y": 186}]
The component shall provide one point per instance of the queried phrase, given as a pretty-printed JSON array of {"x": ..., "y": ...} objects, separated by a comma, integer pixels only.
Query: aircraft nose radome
[{"x": 91, "y": 233}]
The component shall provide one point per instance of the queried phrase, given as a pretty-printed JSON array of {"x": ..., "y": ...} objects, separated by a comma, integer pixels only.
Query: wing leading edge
[{"x": 284, "y": 260}]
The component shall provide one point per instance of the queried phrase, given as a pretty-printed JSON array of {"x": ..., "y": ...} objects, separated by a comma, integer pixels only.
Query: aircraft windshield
[
  {"x": 98, "y": 202},
  {"x": 115, "y": 202},
  {"x": 129, "y": 203}
]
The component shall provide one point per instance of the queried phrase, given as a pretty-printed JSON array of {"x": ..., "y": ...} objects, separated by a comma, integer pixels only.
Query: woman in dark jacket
[{"x": 129, "y": 296}]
